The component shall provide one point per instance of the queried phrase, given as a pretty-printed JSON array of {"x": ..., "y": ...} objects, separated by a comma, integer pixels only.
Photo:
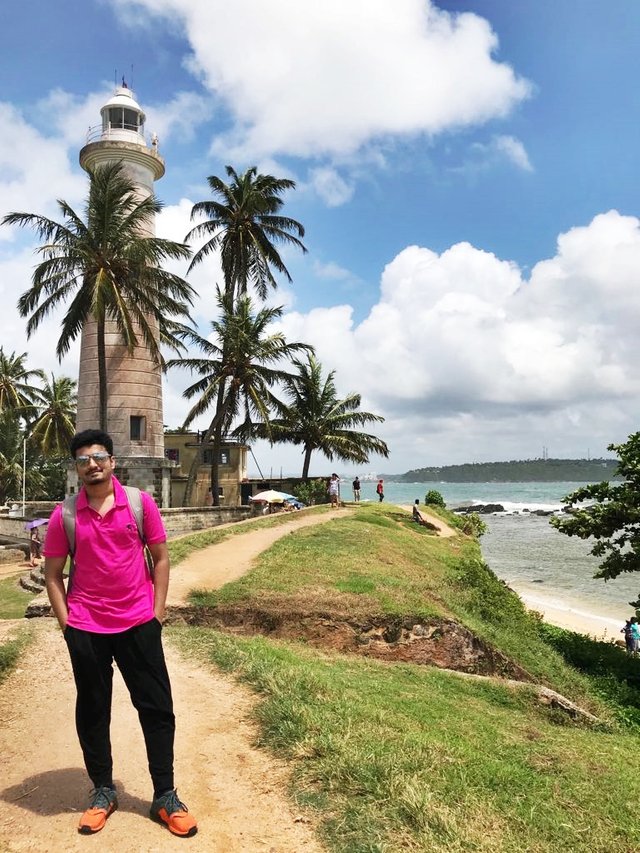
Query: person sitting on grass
[{"x": 417, "y": 517}]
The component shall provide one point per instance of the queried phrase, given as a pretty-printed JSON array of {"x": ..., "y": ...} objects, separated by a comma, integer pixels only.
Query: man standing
[
  {"x": 356, "y": 489},
  {"x": 113, "y": 610},
  {"x": 380, "y": 490},
  {"x": 334, "y": 490}
]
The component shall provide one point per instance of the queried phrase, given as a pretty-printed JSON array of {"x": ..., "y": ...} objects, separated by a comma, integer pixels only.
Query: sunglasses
[{"x": 100, "y": 458}]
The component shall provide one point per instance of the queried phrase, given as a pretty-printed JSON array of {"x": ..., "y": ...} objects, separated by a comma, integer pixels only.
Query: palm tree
[
  {"x": 108, "y": 267},
  {"x": 243, "y": 224},
  {"x": 18, "y": 395},
  {"x": 54, "y": 427},
  {"x": 237, "y": 372},
  {"x": 318, "y": 419},
  {"x": 11, "y": 463}
]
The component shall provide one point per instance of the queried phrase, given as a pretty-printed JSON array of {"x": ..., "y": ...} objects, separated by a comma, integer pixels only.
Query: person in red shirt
[
  {"x": 113, "y": 610},
  {"x": 380, "y": 490}
]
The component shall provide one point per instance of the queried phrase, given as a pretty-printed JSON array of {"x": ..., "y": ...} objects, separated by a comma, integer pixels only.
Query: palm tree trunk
[
  {"x": 102, "y": 373},
  {"x": 215, "y": 464},
  {"x": 199, "y": 457},
  {"x": 307, "y": 461}
]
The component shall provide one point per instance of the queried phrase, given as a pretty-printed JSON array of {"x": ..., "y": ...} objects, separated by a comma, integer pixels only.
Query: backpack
[{"x": 69, "y": 509}]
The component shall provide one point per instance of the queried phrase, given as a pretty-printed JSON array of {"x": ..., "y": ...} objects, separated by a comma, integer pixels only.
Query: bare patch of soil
[{"x": 444, "y": 643}]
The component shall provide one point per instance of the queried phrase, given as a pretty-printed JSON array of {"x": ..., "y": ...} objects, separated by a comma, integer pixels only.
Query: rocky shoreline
[{"x": 494, "y": 508}]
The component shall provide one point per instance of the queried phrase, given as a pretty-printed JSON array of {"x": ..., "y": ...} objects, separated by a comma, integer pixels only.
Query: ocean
[{"x": 544, "y": 566}]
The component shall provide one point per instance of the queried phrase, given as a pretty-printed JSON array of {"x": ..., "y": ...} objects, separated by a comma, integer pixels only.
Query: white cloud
[
  {"x": 331, "y": 186},
  {"x": 325, "y": 79},
  {"x": 514, "y": 151},
  {"x": 34, "y": 170},
  {"x": 460, "y": 346},
  {"x": 331, "y": 271}
]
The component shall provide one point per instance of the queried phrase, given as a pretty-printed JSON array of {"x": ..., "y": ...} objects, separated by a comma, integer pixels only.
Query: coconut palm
[
  {"x": 318, "y": 419},
  {"x": 54, "y": 427},
  {"x": 18, "y": 394},
  {"x": 11, "y": 463},
  {"x": 243, "y": 223},
  {"x": 237, "y": 371},
  {"x": 107, "y": 267}
]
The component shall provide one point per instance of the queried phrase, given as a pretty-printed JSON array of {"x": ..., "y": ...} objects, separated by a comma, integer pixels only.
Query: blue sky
[{"x": 467, "y": 176}]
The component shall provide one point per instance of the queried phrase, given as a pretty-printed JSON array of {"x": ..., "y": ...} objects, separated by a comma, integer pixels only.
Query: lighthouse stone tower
[{"x": 134, "y": 408}]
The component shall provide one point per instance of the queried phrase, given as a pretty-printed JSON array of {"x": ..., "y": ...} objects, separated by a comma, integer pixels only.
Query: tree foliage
[
  {"x": 243, "y": 223},
  {"x": 434, "y": 498},
  {"x": 105, "y": 266},
  {"x": 610, "y": 515},
  {"x": 237, "y": 370},
  {"x": 315, "y": 417}
]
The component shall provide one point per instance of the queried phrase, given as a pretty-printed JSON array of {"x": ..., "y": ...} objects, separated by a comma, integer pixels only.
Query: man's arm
[
  {"x": 160, "y": 554},
  {"x": 53, "y": 569}
]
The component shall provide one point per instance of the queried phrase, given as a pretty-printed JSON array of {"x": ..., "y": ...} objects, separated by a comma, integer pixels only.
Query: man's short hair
[{"x": 91, "y": 436}]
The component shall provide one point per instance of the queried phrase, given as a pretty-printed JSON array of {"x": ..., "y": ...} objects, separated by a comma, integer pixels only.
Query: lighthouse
[{"x": 134, "y": 381}]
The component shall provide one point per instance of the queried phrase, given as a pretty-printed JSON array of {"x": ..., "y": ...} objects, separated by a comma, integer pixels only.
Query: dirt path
[
  {"x": 213, "y": 567},
  {"x": 238, "y": 793},
  {"x": 442, "y": 527}
]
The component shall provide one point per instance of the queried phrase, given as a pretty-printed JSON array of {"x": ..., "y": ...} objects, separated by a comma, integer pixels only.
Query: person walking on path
[
  {"x": 635, "y": 635},
  {"x": 113, "y": 610},
  {"x": 334, "y": 490},
  {"x": 356, "y": 489},
  {"x": 35, "y": 547},
  {"x": 380, "y": 490}
]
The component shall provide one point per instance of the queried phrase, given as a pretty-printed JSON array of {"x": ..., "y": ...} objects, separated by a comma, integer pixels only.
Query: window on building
[
  {"x": 208, "y": 457},
  {"x": 120, "y": 118},
  {"x": 172, "y": 453},
  {"x": 137, "y": 427}
]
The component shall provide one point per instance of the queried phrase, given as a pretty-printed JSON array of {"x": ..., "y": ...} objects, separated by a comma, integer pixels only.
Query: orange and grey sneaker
[
  {"x": 169, "y": 811},
  {"x": 104, "y": 801}
]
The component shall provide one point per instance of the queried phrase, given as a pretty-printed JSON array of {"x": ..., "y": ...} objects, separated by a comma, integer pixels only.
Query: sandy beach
[{"x": 573, "y": 614}]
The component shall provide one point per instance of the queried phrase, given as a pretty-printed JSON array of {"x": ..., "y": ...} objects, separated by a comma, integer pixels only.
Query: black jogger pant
[{"x": 139, "y": 656}]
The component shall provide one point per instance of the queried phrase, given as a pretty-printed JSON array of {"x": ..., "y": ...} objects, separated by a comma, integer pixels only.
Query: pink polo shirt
[{"x": 111, "y": 589}]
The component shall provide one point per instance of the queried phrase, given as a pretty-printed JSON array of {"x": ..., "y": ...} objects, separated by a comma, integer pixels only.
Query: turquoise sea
[{"x": 524, "y": 550}]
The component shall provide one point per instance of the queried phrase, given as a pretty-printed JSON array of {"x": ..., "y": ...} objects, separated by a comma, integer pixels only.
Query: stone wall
[
  {"x": 177, "y": 521},
  {"x": 180, "y": 520}
]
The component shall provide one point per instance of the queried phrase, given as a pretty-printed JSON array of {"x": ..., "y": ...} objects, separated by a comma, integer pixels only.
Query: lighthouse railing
[{"x": 128, "y": 132}]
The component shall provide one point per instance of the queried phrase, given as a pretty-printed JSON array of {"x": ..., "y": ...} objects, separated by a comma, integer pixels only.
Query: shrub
[
  {"x": 312, "y": 492},
  {"x": 473, "y": 525},
  {"x": 434, "y": 498}
]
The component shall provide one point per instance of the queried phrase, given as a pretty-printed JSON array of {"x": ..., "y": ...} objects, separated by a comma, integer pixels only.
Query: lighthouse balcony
[{"x": 121, "y": 133}]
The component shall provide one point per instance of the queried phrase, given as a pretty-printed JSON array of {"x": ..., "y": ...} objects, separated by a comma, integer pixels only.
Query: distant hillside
[{"x": 516, "y": 471}]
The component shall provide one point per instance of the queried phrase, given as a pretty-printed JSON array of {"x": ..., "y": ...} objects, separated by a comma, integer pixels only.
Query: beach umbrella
[
  {"x": 269, "y": 497},
  {"x": 296, "y": 503},
  {"x": 36, "y": 522}
]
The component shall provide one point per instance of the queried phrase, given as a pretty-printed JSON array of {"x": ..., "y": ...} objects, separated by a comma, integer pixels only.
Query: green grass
[
  {"x": 395, "y": 758},
  {"x": 613, "y": 675},
  {"x": 13, "y": 598},
  {"x": 377, "y": 562},
  {"x": 10, "y": 651}
]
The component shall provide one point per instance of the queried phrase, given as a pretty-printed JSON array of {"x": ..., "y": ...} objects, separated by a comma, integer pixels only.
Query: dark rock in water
[
  {"x": 481, "y": 509},
  {"x": 542, "y": 512},
  {"x": 537, "y": 581}
]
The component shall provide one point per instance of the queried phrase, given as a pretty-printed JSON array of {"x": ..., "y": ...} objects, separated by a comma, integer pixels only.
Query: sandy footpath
[
  {"x": 212, "y": 567},
  {"x": 237, "y": 792}
]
